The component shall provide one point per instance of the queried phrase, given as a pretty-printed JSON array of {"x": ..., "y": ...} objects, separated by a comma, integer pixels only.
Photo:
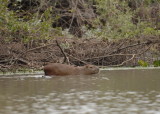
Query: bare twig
[
  {"x": 108, "y": 56},
  {"x": 3, "y": 66},
  {"x": 133, "y": 56},
  {"x": 77, "y": 59},
  {"x": 38, "y": 48},
  {"x": 62, "y": 51},
  {"x": 13, "y": 60},
  {"x": 119, "y": 49},
  {"x": 144, "y": 50},
  {"x": 73, "y": 14}
]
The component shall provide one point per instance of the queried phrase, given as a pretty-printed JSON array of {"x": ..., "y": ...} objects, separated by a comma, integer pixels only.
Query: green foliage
[
  {"x": 142, "y": 2},
  {"x": 65, "y": 45},
  {"x": 156, "y": 63},
  {"x": 115, "y": 21},
  {"x": 150, "y": 31},
  {"x": 142, "y": 63},
  {"x": 38, "y": 27},
  {"x": 111, "y": 17}
]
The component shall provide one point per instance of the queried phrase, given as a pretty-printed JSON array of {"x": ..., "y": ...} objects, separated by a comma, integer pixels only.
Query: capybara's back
[{"x": 58, "y": 69}]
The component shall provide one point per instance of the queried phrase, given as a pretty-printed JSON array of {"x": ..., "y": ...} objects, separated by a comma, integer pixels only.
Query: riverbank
[
  {"x": 33, "y": 34},
  {"x": 40, "y": 73},
  {"x": 126, "y": 52}
]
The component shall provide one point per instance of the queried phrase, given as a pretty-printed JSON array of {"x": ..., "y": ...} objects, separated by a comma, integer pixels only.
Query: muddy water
[{"x": 111, "y": 91}]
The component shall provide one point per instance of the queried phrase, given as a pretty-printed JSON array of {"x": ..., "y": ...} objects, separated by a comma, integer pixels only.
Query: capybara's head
[{"x": 91, "y": 69}]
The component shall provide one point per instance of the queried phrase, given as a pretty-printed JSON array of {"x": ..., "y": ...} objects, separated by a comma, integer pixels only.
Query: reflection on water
[{"x": 121, "y": 91}]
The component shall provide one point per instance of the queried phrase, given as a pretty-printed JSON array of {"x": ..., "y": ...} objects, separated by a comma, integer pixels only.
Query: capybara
[{"x": 58, "y": 69}]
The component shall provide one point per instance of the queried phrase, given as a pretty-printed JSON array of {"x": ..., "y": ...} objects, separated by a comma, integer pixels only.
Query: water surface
[{"x": 130, "y": 91}]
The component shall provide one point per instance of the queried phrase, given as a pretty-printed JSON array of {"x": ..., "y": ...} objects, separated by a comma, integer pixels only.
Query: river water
[{"x": 133, "y": 91}]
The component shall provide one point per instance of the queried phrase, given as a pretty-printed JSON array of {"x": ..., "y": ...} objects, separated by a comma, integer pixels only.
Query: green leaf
[
  {"x": 156, "y": 63},
  {"x": 142, "y": 63}
]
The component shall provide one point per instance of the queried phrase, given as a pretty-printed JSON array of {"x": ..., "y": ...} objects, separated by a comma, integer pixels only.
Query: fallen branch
[
  {"x": 25, "y": 52},
  {"x": 77, "y": 59},
  {"x": 111, "y": 53},
  {"x": 3, "y": 66},
  {"x": 62, "y": 51},
  {"x": 144, "y": 51},
  {"x": 128, "y": 47},
  {"x": 15, "y": 60},
  {"x": 133, "y": 56},
  {"x": 108, "y": 56},
  {"x": 38, "y": 48}
]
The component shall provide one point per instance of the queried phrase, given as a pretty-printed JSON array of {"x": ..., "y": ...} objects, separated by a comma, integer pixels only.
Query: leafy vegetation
[
  {"x": 15, "y": 28},
  {"x": 124, "y": 26},
  {"x": 116, "y": 20},
  {"x": 156, "y": 63},
  {"x": 112, "y": 19},
  {"x": 143, "y": 63}
]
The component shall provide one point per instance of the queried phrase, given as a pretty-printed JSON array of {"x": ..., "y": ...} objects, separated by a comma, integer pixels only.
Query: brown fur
[{"x": 58, "y": 69}]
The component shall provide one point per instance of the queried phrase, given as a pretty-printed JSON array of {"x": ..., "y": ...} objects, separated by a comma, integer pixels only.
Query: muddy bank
[{"x": 35, "y": 54}]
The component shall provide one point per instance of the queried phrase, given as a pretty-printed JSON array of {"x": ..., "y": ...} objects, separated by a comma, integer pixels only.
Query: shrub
[
  {"x": 115, "y": 21},
  {"x": 18, "y": 29}
]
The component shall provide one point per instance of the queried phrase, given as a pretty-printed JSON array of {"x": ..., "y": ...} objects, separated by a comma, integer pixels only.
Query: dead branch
[
  {"x": 142, "y": 52},
  {"x": 62, "y": 51},
  {"x": 77, "y": 59},
  {"x": 108, "y": 56},
  {"x": 111, "y": 53},
  {"x": 133, "y": 56},
  {"x": 13, "y": 60},
  {"x": 143, "y": 43},
  {"x": 38, "y": 48},
  {"x": 3, "y": 66},
  {"x": 33, "y": 49}
]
